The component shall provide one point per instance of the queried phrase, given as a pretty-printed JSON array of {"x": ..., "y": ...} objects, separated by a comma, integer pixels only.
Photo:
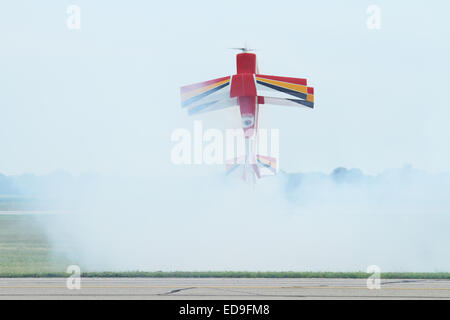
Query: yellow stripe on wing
[
  {"x": 198, "y": 91},
  {"x": 286, "y": 85}
]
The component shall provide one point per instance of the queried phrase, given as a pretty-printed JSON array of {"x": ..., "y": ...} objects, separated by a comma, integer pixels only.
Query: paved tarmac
[{"x": 221, "y": 288}]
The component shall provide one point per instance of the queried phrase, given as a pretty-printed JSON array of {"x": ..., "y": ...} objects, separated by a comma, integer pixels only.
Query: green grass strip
[{"x": 233, "y": 274}]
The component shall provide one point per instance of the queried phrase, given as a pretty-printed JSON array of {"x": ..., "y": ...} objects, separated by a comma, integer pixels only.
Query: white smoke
[{"x": 345, "y": 221}]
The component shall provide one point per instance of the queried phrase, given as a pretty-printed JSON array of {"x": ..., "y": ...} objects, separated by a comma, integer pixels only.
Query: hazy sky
[{"x": 106, "y": 98}]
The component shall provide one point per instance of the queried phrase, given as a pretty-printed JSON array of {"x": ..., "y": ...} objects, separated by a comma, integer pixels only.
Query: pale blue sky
[{"x": 105, "y": 98}]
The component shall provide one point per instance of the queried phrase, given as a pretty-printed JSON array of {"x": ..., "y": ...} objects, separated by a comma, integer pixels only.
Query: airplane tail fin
[
  {"x": 262, "y": 166},
  {"x": 268, "y": 165}
]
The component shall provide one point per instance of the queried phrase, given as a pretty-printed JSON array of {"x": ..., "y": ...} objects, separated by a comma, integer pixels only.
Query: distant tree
[
  {"x": 342, "y": 174},
  {"x": 6, "y": 187}
]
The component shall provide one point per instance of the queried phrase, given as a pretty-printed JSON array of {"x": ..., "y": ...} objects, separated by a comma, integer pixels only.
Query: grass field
[
  {"x": 230, "y": 274},
  {"x": 24, "y": 248},
  {"x": 25, "y": 251}
]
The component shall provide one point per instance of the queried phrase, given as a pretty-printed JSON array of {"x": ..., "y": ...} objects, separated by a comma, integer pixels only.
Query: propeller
[{"x": 243, "y": 49}]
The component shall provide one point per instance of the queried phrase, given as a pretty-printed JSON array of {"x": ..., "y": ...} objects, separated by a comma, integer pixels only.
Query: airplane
[{"x": 247, "y": 89}]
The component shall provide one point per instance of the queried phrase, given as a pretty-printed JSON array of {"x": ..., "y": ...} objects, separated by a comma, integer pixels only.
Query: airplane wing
[
  {"x": 207, "y": 96},
  {"x": 284, "y": 91}
]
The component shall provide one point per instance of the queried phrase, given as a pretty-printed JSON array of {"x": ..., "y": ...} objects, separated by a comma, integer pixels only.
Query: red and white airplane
[{"x": 247, "y": 89}]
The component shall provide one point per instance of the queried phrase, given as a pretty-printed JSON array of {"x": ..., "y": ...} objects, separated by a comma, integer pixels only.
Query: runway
[{"x": 221, "y": 288}]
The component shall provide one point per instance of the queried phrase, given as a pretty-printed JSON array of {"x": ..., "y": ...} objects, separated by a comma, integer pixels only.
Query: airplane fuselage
[{"x": 243, "y": 87}]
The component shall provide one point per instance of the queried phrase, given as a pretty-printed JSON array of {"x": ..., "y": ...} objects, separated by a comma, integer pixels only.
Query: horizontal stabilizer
[
  {"x": 264, "y": 166},
  {"x": 268, "y": 165},
  {"x": 233, "y": 164}
]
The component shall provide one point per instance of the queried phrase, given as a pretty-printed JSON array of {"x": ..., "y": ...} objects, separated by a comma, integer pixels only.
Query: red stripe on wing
[{"x": 285, "y": 79}]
